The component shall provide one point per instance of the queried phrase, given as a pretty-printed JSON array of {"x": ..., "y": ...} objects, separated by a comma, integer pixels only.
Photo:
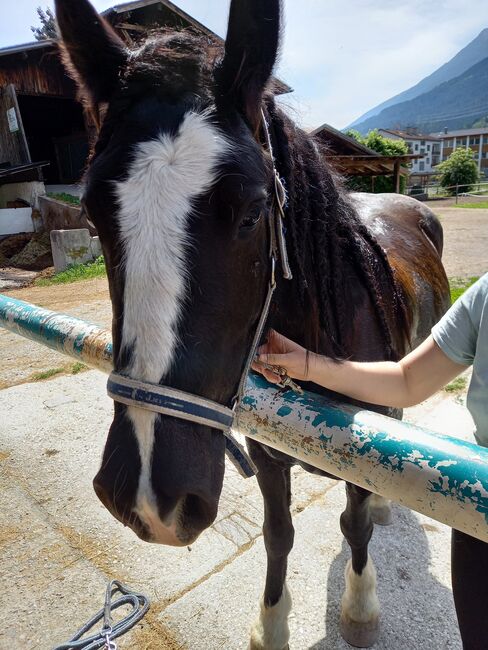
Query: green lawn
[
  {"x": 75, "y": 273},
  {"x": 459, "y": 286},
  {"x": 482, "y": 205},
  {"x": 65, "y": 198}
]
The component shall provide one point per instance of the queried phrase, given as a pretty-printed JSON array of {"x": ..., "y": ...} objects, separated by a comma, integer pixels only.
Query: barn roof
[
  {"x": 140, "y": 4},
  {"x": 354, "y": 159},
  {"x": 116, "y": 14},
  {"x": 25, "y": 47}
]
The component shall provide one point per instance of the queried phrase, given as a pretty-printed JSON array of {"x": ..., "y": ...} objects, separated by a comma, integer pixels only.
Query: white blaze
[{"x": 165, "y": 176}]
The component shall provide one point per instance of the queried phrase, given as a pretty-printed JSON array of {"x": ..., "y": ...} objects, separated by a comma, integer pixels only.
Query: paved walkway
[{"x": 59, "y": 546}]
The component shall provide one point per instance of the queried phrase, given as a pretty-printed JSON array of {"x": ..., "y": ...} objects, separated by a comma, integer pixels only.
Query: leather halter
[{"x": 187, "y": 406}]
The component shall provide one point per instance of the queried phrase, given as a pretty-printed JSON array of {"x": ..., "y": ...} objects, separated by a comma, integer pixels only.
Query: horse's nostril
[{"x": 200, "y": 512}]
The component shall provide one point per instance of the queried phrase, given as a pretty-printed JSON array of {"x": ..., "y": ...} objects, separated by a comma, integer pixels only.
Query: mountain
[
  {"x": 455, "y": 104},
  {"x": 473, "y": 53}
]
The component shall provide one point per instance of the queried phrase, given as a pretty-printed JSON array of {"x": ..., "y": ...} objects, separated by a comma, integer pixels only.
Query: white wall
[
  {"x": 29, "y": 191},
  {"x": 15, "y": 220}
]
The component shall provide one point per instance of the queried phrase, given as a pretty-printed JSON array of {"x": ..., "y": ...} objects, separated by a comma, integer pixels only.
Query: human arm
[{"x": 413, "y": 379}]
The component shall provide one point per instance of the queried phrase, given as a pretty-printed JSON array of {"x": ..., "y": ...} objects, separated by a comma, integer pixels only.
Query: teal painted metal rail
[{"x": 439, "y": 476}]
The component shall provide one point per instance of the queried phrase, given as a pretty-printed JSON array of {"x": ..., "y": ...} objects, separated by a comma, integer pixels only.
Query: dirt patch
[
  {"x": 8, "y": 535},
  {"x": 106, "y": 558},
  {"x": 151, "y": 634},
  {"x": 465, "y": 240},
  {"x": 13, "y": 244},
  {"x": 21, "y": 358}
]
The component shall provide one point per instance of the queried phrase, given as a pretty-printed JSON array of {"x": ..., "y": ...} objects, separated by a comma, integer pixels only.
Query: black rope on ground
[{"x": 104, "y": 638}]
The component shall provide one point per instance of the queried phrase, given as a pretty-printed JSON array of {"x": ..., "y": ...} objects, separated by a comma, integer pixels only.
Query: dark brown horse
[{"x": 179, "y": 188}]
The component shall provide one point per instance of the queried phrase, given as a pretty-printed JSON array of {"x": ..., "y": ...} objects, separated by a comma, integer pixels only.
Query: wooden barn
[
  {"x": 40, "y": 118},
  {"x": 354, "y": 159}
]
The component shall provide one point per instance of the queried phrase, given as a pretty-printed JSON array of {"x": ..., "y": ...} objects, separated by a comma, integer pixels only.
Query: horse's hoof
[{"x": 360, "y": 635}]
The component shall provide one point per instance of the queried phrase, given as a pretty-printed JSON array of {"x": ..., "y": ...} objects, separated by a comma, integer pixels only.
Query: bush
[
  {"x": 458, "y": 169},
  {"x": 385, "y": 147}
]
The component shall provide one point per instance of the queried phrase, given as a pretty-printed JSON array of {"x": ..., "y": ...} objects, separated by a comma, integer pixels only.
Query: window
[
  {"x": 448, "y": 143},
  {"x": 428, "y": 147},
  {"x": 416, "y": 147},
  {"x": 421, "y": 166},
  {"x": 422, "y": 143},
  {"x": 474, "y": 139},
  {"x": 461, "y": 142},
  {"x": 427, "y": 162}
]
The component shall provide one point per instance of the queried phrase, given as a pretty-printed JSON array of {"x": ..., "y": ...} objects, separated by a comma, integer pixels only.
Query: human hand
[{"x": 280, "y": 351}]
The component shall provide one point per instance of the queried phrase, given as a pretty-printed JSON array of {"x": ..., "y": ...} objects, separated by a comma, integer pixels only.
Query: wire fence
[{"x": 474, "y": 192}]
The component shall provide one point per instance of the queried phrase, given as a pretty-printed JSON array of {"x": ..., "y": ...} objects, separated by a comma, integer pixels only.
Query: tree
[
  {"x": 47, "y": 30},
  {"x": 385, "y": 147},
  {"x": 458, "y": 169}
]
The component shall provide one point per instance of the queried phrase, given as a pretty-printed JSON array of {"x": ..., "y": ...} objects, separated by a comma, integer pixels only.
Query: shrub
[{"x": 458, "y": 169}]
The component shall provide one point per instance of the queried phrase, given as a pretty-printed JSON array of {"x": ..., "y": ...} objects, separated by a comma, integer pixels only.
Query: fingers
[
  {"x": 272, "y": 359},
  {"x": 269, "y": 375},
  {"x": 279, "y": 344},
  {"x": 272, "y": 377}
]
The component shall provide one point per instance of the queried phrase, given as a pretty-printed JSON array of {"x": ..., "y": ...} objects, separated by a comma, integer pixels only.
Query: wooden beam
[
  {"x": 131, "y": 28},
  {"x": 397, "y": 177}
]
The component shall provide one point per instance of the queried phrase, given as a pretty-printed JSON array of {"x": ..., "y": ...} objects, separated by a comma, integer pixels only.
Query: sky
[{"x": 341, "y": 57}]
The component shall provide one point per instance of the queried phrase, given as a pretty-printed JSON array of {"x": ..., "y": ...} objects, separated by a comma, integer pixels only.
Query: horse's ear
[
  {"x": 92, "y": 52},
  {"x": 251, "y": 49}
]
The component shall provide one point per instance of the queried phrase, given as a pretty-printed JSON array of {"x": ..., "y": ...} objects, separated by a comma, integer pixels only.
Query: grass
[
  {"x": 459, "y": 286},
  {"x": 46, "y": 374},
  {"x": 78, "y": 367},
  {"x": 75, "y": 273},
  {"x": 72, "y": 369},
  {"x": 458, "y": 384},
  {"x": 482, "y": 205},
  {"x": 65, "y": 198}
]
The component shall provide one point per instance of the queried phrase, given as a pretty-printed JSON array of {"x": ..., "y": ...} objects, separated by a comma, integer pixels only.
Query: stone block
[
  {"x": 70, "y": 247},
  {"x": 95, "y": 247}
]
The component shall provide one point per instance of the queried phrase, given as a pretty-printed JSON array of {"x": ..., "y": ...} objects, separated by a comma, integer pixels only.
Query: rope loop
[{"x": 109, "y": 632}]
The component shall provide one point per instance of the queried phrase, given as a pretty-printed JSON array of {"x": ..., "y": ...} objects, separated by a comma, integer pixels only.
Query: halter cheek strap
[{"x": 185, "y": 406}]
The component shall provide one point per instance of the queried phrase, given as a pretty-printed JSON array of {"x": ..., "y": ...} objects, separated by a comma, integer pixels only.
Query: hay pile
[{"x": 31, "y": 252}]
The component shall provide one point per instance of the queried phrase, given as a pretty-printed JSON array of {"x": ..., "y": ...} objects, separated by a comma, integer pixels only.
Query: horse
[{"x": 181, "y": 187}]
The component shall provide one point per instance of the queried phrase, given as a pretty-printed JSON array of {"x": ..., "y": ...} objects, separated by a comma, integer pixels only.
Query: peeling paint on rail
[{"x": 439, "y": 476}]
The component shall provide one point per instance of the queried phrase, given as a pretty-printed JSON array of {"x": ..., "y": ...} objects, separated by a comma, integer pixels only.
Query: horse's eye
[{"x": 252, "y": 218}]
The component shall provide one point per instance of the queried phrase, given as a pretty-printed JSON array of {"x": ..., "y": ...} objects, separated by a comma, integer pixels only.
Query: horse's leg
[
  {"x": 380, "y": 509},
  {"x": 270, "y": 631},
  {"x": 360, "y": 606}
]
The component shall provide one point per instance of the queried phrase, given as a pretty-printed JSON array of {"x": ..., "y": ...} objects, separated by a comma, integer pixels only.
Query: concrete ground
[{"x": 59, "y": 546}]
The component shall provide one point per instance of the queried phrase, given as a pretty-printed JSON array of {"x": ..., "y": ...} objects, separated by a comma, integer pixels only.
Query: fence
[
  {"x": 439, "y": 476},
  {"x": 467, "y": 193}
]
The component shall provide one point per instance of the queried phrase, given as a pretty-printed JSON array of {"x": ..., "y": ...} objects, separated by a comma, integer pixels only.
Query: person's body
[{"x": 459, "y": 340}]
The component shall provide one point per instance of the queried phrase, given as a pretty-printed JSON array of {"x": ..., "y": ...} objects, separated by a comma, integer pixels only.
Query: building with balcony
[
  {"x": 427, "y": 147},
  {"x": 474, "y": 139}
]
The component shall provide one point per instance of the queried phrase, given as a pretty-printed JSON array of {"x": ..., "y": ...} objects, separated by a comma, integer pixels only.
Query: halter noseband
[{"x": 187, "y": 406}]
